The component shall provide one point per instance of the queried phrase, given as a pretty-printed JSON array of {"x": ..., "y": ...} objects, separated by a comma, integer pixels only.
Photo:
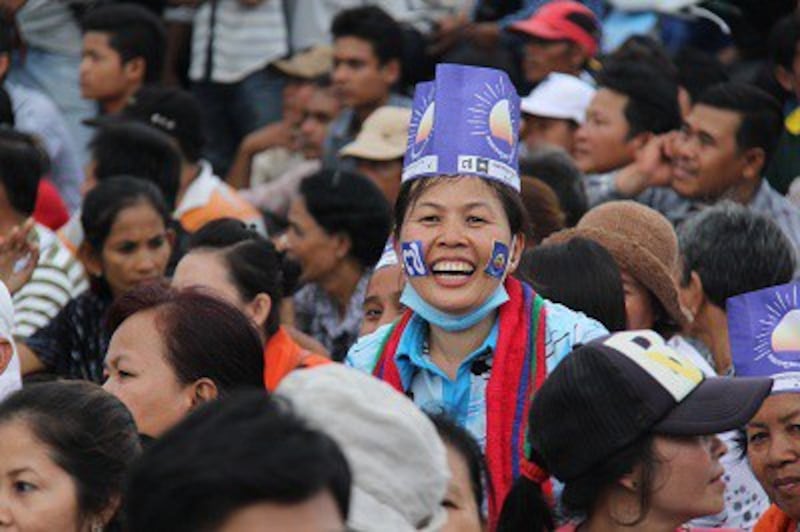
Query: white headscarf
[{"x": 10, "y": 378}]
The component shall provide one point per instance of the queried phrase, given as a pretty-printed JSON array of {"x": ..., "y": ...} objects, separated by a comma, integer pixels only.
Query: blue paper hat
[
  {"x": 764, "y": 332},
  {"x": 465, "y": 122}
]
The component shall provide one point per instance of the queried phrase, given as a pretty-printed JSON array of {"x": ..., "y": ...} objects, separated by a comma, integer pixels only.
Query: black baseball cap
[
  {"x": 174, "y": 111},
  {"x": 607, "y": 394}
]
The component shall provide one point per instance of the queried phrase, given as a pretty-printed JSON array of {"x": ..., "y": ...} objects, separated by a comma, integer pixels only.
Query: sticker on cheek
[
  {"x": 414, "y": 259},
  {"x": 498, "y": 261}
]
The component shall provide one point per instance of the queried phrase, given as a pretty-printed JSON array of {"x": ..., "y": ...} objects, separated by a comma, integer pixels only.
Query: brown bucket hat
[{"x": 642, "y": 242}]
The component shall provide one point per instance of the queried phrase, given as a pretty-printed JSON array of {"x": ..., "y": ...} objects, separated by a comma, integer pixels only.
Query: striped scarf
[{"x": 519, "y": 364}]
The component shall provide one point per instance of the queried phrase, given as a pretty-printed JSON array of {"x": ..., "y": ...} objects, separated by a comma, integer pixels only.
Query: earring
[{"x": 97, "y": 526}]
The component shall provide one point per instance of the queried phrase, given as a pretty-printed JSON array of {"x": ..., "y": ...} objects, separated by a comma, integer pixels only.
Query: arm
[
  {"x": 28, "y": 360},
  {"x": 269, "y": 136},
  {"x": 15, "y": 248}
]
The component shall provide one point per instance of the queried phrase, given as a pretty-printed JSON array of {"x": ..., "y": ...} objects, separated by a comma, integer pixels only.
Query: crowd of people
[{"x": 430, "y": 265}]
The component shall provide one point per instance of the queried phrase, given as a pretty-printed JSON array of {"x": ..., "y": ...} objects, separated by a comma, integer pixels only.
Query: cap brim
[
  {"x": 370, "y": 151},
  {"x": 718, "y": 404},
  {"x": 537, "y": 28}
]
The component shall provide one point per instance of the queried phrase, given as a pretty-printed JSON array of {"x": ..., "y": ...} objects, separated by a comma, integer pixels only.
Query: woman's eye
[
  {"x": 756, "y": 437},
  {"x": 429, "y": 219},
  {"x": 157, "y": 242},
  {"x": 21, "y": 486},
  {"x": 124, "y": 374},
  {"x": 475, "y": 220},
  {"x": 373, "y": 314},
  {"x": 447, "y": 503}
]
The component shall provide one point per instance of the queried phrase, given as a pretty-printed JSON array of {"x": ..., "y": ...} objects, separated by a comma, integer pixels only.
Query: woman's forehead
[{"x": 459, "y": 192}]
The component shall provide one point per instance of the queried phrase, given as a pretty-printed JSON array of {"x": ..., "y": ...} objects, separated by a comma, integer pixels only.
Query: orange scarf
[
  {"x": 282, "y": 355},
  {"x": 774, "y": 520}
]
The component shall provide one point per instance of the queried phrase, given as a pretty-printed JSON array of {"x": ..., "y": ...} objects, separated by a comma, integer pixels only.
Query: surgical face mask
[{"x": 452, "y": 322}]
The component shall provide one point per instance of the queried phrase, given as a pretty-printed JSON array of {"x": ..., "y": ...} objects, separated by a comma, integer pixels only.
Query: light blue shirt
[{"x": 464, "y": 398}]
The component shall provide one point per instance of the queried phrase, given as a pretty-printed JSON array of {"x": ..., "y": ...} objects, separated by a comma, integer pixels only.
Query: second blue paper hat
[{"x": 465, "y": 122}]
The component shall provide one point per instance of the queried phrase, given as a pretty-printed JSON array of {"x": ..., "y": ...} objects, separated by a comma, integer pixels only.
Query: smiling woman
[{"x": 475, "y": 342}]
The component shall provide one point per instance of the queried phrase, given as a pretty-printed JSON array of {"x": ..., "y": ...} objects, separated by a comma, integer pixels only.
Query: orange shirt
[
  {"x": 282, "y": 355},
  {"x": 774, "y": 520}
]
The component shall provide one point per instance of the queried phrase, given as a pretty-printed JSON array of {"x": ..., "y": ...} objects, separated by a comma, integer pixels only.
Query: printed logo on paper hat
[
  {"x": 466, "y": 121},
  {"x": 764, "y": 331}
]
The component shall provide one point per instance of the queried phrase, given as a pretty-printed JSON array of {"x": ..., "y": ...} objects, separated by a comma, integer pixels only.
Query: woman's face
[
  {"x": 382, "y": 300},
  {"x": 140, "y": 376},
  {"x": 457, "y": 222},
  {"x": 773, "y": 449},
  {"x": 463, "y": 514},
  {"x": 688, "y": 481},
  {"x": 137, "y": 248},
  {"x": 36, "y": 495},
  {"x": 306, "y": 242},
  {"x": 638, "y": 304}
]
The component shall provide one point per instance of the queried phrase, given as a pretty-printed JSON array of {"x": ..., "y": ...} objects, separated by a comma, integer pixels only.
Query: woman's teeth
[{"x": 452, "y": 268}]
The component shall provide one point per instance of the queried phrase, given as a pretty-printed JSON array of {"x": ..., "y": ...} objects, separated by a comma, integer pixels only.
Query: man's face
[
  {"x": 602, "y": 143},
  {"x": 322, "y": 108},
  {"x": 706, "y": 159},
  {"x": 103, "y": 74},
  {"x": 360, "y": 80},
  {"x": 545, "y": 56},
  {"x": 540, "y": 131}
]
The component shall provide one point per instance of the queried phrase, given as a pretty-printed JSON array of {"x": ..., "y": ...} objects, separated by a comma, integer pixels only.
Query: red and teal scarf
[{"x": 518, "y": 369}]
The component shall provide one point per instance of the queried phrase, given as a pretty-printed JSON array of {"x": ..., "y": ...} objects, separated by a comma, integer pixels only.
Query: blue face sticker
[
  {"x": 498, "y": 260},
  {"x": 414, "y": 259}
]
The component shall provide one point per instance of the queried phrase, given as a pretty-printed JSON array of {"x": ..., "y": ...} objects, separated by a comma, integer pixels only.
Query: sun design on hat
[
  {"x": 491, "y": 117},
  {"x": 420, "y": 129},
  {"x": 779, "y": 336}
]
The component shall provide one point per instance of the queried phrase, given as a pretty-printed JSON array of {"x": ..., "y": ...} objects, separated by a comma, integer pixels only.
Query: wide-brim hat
[
  {"x": 308, "y": 64},
  {"x": 382, "y": 137},
  {"x": 642, "y": 242}
]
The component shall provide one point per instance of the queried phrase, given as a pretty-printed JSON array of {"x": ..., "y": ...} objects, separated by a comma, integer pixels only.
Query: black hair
[
  {"x": 412, "y": 191},
  {"x": 734, "y": 251},
  {"x": 557, "y": 169},
  {"x": 229, "y": 454},
  {"x": 204, "y": 336},
  {"x": 525, "y": 508},
  {"x": 6, "y": 109},
  {"x": 783, "y": 39},
  {"x": 761, "y": 118},
  {"x": 580, "y": 496},
  {"x": 373, "y": 25},
  {"x": 136, "y": 149},
  {"x": 698, "y": 70},
  {"x": 134, "y": 31},
  {"x": 254, "y": 265},
  {"x": 652, "y": 104},
  {"x": 89, "y": 433},
  {"x": 105, "y": 201},
  {"x": 349, "y": 203},
  {"x": 461, "y": 440},
  {"x": 22, "y": 163},
  {"x": 580, "y": 274},
  {"x": 646, "y": 49}
]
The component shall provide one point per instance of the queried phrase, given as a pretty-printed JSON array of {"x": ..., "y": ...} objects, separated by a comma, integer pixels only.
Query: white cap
[{"x": 559, "y": 96}]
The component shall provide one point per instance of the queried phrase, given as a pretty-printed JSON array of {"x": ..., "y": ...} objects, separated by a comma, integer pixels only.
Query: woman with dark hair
[
  {"x": 127, "y": 242},
  {"x": 464, "y": 498},
  {"x": 65, "y": 448},
  {"x": 474, "y": 341},
  {"x": 338, "y": 227},
  {"x": 629, "y": 426},
  {"x": 580, "y": 274},
  {"x": 172, "y": 350},
  {"x": 244, "y": 269}
]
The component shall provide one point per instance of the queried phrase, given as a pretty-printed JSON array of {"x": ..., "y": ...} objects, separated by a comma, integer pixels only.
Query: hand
[
  {"x": 269, "y": 136},
  {"x": 651, "y": 168},
  {"x": 10, "y": 7},
  {"x": 484, "y": 34},
  {"x": 447, "y": 33},
  {"x": 17, "y": 247}
]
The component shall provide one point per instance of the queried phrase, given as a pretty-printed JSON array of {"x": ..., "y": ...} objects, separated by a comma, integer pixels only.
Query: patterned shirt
[
  {"x": 317, "y": 314},
  {"x": 73, "y": 345},
  {"x": 57, "y": 278},
  {"x": 464, "y": 397},
  {"x": 767, "y": 201}
]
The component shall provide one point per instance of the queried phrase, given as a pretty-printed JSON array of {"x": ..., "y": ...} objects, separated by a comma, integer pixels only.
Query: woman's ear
[
  {"x": 343, "y": 245},
  {"x": 632, "y": 481},
  {"x": 107, "y": 514},
  {"x": 259, "y": 308},
  {"x": 203, "y": 391},
  {"x": 517, "y": 247},
  {"x": 90, "y": 259}
]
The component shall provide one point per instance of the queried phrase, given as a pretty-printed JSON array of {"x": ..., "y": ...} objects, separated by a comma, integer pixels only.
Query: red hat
[{"x": 565, "y": 20}]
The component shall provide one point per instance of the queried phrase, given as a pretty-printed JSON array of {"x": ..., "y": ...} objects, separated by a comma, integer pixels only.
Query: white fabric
[
  {"x": 10, "y": 378},
  {"x": 559, "y": 96},
  {"x": 398, "y": 461}
]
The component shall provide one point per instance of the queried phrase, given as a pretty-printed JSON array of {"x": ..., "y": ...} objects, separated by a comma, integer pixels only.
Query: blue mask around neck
[{"x": 450, "y": 322}]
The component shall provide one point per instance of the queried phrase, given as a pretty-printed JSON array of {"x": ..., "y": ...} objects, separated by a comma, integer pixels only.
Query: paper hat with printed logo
[
  {"x": 764, "y": 332},
  {"x": 612, "y": 391},
  {"x": 465, "y": 122}
]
